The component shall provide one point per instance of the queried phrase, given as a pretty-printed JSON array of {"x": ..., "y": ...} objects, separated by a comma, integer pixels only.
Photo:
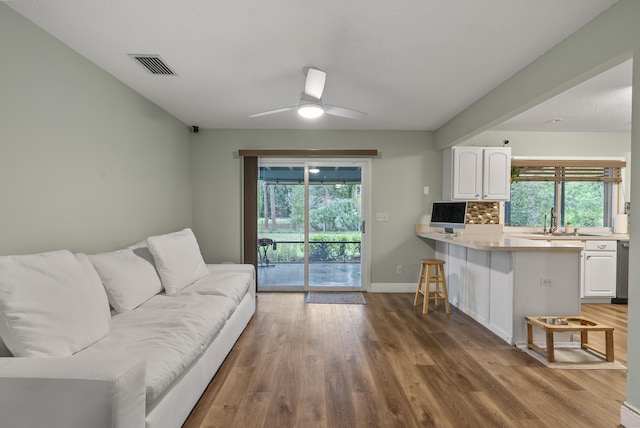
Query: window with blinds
[
  {"x": 582, "y": 192},
  {"x": 602, "y": 171}
]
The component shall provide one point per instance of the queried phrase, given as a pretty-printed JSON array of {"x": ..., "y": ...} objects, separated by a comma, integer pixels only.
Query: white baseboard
[
  {"x": 392, "y": 287},
  {"x": 595, "y": 300},
  {"x": 629, "y": 416}
]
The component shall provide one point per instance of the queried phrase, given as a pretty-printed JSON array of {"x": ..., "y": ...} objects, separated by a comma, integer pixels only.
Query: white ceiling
[
  {"x": 411, "y": 64},
  {"x": 602, "y": 103}
]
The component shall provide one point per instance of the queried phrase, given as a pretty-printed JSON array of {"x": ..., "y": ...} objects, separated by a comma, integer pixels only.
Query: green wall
[
  {"x": 85, "y": 163},
  {"x": 407, "y": 162}
]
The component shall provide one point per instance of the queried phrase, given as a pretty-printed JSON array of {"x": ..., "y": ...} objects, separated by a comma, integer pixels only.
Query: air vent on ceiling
[{"x": 154, "y": 64}]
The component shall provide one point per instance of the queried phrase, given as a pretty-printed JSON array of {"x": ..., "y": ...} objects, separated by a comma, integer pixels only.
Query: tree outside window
[
  {"x": 581, "y": 193},
  {"x": 581, "y": 204}
]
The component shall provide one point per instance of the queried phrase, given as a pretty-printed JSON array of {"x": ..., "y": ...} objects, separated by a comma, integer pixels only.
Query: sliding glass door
[
  {"x": 281, "y": 225},
  {"x": 311, "y": 224}
]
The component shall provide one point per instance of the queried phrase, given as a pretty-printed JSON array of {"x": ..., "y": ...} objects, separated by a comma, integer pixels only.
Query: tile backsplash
[{"x": 483, "y": 212}]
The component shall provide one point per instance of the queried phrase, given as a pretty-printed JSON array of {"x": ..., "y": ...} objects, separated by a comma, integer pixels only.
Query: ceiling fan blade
[
  {"x": 344, "y": 112},
  {"x": 314, "y": 85},
  {"x": 280, "y": 110}
]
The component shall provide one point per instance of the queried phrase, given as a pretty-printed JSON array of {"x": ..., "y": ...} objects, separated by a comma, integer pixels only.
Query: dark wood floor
[{"x": 385, "y": 364}]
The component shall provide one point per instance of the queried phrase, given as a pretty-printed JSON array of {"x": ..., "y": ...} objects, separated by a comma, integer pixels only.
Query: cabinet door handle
[{"x": 602, "y": 246}]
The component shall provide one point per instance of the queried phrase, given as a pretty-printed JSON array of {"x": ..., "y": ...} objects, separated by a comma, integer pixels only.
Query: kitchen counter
[
  {"x": 498, "y": 279},
  {"x": 504, "y": 242}
]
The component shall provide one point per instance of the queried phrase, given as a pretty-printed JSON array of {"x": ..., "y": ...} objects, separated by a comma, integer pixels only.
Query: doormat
[
  {"x": 335, "y": 298},
  {"x": 573, "y": 358}
]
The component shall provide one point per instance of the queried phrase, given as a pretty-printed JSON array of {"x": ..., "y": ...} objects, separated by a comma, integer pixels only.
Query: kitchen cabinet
[
  {"x": 476, "y": 173},
  {"x": 600, "y": 266}
]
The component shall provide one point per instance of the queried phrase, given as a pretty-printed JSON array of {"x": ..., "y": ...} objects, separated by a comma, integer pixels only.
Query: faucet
[{"x": 553, "y": 227}]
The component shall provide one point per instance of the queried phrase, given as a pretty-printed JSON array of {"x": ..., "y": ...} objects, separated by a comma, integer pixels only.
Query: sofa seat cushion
[
  {"x": 223, "y": 283},
  {"x": 232, "y": 267},
  {"x": 167, "y": 332}
]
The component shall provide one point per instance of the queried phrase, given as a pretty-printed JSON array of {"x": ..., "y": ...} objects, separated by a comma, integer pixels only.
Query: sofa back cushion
[
  {"x": 51, "y": 304},
  {"x": 129, "y": 277},
  {"x": 178, "y": 259}
]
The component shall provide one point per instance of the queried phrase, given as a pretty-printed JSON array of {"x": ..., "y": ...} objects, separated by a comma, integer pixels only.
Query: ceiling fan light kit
[
  {"x": 311, "y": 105},
  {"x": 310, "y": 111}
]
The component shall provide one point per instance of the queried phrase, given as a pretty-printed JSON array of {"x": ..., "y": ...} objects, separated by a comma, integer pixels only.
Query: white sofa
[{"x": 129, "y": 338}]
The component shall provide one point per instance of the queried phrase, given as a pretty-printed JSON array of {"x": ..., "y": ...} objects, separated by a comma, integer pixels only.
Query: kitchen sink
[{"x": 551, "y": 235}]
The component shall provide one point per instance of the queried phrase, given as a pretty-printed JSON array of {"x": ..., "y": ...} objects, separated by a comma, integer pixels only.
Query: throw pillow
[
  {"x": 129, "y": 277},
  {"x": 50, "y": 306},
  {"x": 178, "y": 259}
]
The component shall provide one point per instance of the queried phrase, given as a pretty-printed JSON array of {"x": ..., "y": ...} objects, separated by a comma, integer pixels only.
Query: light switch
[
  {"x": 426, "y": 190},
  {"x": 382, "y": 217}
]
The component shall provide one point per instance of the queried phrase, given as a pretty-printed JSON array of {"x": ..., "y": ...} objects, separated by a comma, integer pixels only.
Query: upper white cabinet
[
  {"x": 496, "y": 178},
  {"x": 462, "y": 173},
  {"x": 477, "y": 173}
]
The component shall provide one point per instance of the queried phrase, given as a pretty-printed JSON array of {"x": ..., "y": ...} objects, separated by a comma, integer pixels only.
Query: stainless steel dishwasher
[{"x": 622, "y": 274}]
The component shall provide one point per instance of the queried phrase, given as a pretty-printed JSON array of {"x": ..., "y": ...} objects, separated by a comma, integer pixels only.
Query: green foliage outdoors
[
  {"x": 530, "y": 202},
  {"x": 322, "y": 247},
  {"x": 334, "y": 215},
  {"x": 340, "y": 215},
  {"x": 327, "y": 251},
  {"x": 583, "y": 204}
]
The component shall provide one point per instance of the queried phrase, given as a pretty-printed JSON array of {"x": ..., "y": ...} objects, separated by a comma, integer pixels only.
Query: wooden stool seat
[
  {"x": 432, "y": 273},
  {"x": 574, "y": 323}
]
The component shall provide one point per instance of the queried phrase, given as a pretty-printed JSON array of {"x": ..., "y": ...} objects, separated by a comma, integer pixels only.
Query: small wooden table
[{"x": 552, "y": 324}]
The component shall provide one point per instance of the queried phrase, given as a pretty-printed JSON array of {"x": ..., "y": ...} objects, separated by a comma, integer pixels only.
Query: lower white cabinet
[
  {"x": 456, "y": 272},
  {"x": 477, "y": 284},
  {"x": 599, "y": 264},
  {"x": 501, "y": 304}
]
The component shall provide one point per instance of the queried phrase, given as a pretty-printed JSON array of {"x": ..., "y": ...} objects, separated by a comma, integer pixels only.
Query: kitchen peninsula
[{"x": 497, "y": 279}]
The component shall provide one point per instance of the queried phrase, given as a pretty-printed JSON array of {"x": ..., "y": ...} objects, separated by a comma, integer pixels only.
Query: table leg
[
  {"x": 609, "y": 345},
  {"x": 529, "y": 335},
  {"x": 584, "y": 339},
  {"x": 550, "y": 352}
]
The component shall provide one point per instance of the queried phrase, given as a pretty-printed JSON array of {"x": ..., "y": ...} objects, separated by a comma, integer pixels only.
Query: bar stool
[{"x": 432, "y": 272}]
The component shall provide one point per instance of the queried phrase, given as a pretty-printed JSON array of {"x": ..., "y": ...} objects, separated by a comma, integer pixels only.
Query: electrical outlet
[
  {"x": 399, "y": 269},
  {"x": 545, "y": 282}
]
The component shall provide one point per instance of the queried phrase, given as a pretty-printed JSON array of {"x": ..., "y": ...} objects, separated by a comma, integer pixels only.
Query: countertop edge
[{"x": 503, "y": 243}]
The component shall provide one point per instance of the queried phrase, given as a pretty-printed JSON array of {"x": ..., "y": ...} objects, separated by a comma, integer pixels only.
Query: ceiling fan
[{"x": 310, "y": 105}]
